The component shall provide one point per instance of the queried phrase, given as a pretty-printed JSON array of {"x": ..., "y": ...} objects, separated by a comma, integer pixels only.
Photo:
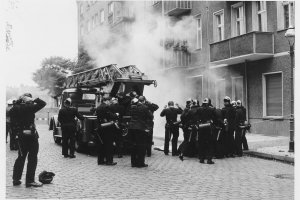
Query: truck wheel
[{"x": 56, "y": 139}]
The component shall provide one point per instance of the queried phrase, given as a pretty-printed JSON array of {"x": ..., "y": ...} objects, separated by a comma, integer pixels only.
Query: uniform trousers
[
  {"x": 28, "y": 146},
  {"x": 205, "y": 141},
  {"x": 138, "y": 151},
  {"x": 68, "y": 139},
  {"x": 105, "y": 148},
  {"x": 174, "y": 133}
]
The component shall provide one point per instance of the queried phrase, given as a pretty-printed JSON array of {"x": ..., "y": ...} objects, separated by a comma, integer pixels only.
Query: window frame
[
  {"x": 199, "y": 31},
  {"x": 241, "y": 19},
  {"x": 217, "y": 26},
  {"x": 264, "y": 95},
  {"x": 233, "y": 78},
  {"x": 216, "y": 92},
  {"x": 101, "y": 20},
  {"x": 280, "y": 15}
]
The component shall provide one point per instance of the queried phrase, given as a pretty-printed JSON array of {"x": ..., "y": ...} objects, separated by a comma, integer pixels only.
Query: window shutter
[{"x": 274, "y": 94}]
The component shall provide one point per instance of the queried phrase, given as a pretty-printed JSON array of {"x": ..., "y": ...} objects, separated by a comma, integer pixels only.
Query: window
[
  {"x": 220, "y": 92},
  {"x": 238, "y": 19},
  {"x": 285, "y": 14},
  {"x": 101, "y": 16},
  {"x": 89, "y": 26},
  {"x": 155, "y": 2},
  {"x": 81, "y": 9},
  {"x": 259, "y": 17},
  {"x": 93, "y": 22},
  {"x": 196, "y": 82},
  {"x": 111, "y": 8},
  {"x": 199, "y": 32},
  {"x": 237, "y": 88},
  {"x": 272, "y": 94},
  {"x": 218, "y": 25}
]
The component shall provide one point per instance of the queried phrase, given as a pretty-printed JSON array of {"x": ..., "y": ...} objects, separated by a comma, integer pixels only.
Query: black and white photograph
[{"x": 149, "y": 100}]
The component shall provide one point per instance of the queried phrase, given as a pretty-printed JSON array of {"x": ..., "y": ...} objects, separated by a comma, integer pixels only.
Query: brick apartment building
[{"x": 241, "y": 51}]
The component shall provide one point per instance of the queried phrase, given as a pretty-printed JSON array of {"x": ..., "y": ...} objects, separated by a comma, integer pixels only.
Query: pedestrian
[
  {"x": 228, "y": 113},
  {"x": 150, "y": 123},
  {"x": 105, "y": 134},
  {"x": 171, "y": 127},
  {"x": 27, "y": 138},
  {"x": 205, "y": 138},
  {"x": 139, "y": 132},
  {"x": 66, "y": 117}
]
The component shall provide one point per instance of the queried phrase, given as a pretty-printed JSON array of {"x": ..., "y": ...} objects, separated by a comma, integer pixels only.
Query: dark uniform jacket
[
  {"x": 228, "y": 112},
  {"x": 183, "y": 116},
  {"x": 117, "y": 108},
  {"x": 66, "y": 116},
  {"x": 152, "y": 108},
  {"x": 171, "y": 114},
  {"x": 140, "y": 115},
  {"x": 104, "y": 114},
  {"x": 24, "y": 114},
  {"x": 240, "y": 116},
  {"x": 193, "y": 115},
  {"x": 207, "y": 114}
]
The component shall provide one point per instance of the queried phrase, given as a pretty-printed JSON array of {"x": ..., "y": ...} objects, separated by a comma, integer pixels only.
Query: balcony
[
  {"x": 251, "y": 46},
  {"x": 176, "y": 8}
]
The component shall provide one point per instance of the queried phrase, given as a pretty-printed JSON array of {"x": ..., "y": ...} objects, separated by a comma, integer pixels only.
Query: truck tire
[{"x": 56, "y": 139}]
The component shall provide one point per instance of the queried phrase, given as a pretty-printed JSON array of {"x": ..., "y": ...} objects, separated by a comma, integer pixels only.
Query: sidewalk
[{"x": 262, "y": 146}]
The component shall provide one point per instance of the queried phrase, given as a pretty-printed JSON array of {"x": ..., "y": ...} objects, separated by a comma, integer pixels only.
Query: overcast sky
[{"x": 40, "y": 29}]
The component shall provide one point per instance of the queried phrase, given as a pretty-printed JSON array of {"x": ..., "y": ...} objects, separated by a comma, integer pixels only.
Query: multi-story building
[{"x": 240, "y": 50}]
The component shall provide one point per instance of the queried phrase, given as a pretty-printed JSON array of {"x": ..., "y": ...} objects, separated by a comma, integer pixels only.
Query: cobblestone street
[{"x": 165, "y": 178}]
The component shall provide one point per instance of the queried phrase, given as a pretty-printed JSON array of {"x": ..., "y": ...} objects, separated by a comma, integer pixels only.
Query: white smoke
[{"x": 142, "y": 46}]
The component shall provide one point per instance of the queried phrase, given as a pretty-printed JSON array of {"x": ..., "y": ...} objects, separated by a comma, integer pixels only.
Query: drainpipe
[
  {"x": 246, "y": 91},
  {"x": 164, "y": 23}
]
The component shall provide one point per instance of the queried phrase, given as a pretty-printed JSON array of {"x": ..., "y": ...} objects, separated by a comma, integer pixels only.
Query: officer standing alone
[
  {"x": 66, "y": 117},
  {"x": 28, "y": 143},
  {"x": 171, "y": 129}
]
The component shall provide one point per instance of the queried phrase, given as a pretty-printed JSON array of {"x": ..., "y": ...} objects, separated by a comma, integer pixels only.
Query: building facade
[{"x": 239, "y": 50}]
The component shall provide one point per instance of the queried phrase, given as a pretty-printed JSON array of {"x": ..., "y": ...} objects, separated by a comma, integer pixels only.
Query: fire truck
[{"x": 87, "y": 88}]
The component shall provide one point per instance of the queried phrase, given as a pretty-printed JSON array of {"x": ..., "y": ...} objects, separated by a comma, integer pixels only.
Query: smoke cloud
[{"x": 143, "y": 46}]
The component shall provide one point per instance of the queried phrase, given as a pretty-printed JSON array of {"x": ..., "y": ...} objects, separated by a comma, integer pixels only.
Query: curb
[{"x": 284, "y": 159}]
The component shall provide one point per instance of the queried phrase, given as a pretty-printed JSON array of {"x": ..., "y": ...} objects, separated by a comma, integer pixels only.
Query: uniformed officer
[
  {"x": 171, "y": 129},
  {"x": 11, "y": 127},
  {"x": 240, "y": 119},
  {"x": 66, "y": 117},
  {"x": 205, "y": 141},
  {"x": 105, "y": 133},
  {"x": 139, "y": 131},
  {"x": 25, "y": 109},
  {"x": 118, "y": 111},
  {"x": 184, "y": 122},
  {"x": 244, "y": 139},
  {"x": 150, "y": 123},
  {"x": 228, "y": 113}
]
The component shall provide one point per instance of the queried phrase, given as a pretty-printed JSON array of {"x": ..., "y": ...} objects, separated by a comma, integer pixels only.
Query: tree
[{"x": 53, "y": 74}]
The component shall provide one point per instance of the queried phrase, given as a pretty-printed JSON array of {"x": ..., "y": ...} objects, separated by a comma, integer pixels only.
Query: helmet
[
  {"x": 227, "y": 99},
  {"x": 68, "y": 101},
  {"x": 233, "y": 103},
  {"x": 46, "y": 177},
  {"x": 206, "y": 100},
  {"x": 134, "y": 100},
  {"x": 142, "y": 99},
  {"x": 239, "y": 103}
]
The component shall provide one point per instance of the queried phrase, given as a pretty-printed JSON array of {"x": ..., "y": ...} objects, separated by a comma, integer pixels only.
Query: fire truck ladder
[{"x": 103, "y": 75}]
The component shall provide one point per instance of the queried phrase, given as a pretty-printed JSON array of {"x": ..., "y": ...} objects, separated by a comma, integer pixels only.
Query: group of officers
[
  {"x": 208, "y": 132},
  {"x": 124, "y": 114}
]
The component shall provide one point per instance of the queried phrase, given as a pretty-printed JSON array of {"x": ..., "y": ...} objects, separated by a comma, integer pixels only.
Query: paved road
[{"x": 165, "y": 178}]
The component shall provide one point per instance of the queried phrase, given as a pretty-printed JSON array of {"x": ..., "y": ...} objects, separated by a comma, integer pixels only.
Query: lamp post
[{"x": 290, "y": 35}]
